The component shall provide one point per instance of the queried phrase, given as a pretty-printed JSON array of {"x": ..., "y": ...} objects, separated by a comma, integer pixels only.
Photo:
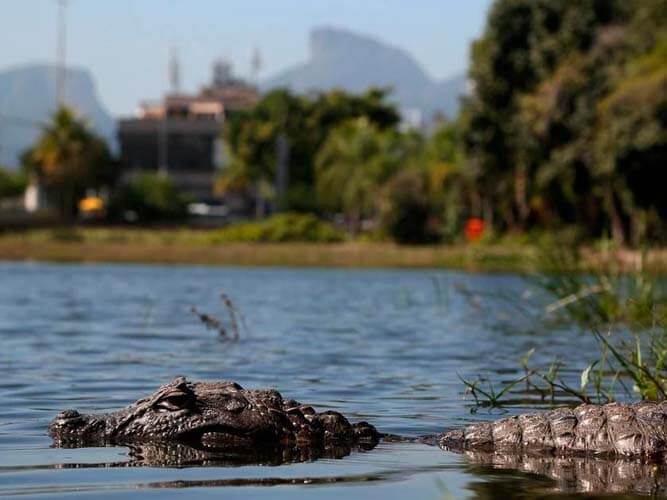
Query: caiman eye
[{"x": 174, "y": 402}]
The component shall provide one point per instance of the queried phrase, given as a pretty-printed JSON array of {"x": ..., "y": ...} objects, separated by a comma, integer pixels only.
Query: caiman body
[
  {"x": 224, "y": 415},
  {"x": 615, "y": 429},
  {"x": 213, "y": 416}
]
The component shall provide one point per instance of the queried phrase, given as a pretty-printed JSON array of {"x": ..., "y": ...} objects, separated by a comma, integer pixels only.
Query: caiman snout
[
  {"x": 67, "y": 416},
  {"x": 68, "y": 421}
]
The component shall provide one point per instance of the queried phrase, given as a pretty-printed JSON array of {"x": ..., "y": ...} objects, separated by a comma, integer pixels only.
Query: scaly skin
[
  {"x": 609, "y": 448},
  {"x": 213, "y": 416},
  {"x": 614, "y": 429}
]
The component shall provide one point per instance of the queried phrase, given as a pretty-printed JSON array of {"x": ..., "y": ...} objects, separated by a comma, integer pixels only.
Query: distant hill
[
  {"x": 28, "y": 97},
  {"x": 342, "y": 59}
]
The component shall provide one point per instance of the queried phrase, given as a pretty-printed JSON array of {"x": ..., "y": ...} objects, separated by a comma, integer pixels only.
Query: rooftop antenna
[
  {"x": 174, "y": 71},
  {"x": 61, "y": 47},
  {"x": 255, "y": 66}
]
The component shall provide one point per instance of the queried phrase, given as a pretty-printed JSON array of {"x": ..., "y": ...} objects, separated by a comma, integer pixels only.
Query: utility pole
[
  {"x": 163, "y": 125},
  {"x": 163, "y": 144},
  {"x": 255, "y": 66},
  {"x": 61, "y": 47},
  {"x": 174, "y": 72}
]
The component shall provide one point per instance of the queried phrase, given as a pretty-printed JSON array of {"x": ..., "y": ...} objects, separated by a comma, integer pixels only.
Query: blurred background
[{"x": 337, "y": 121}]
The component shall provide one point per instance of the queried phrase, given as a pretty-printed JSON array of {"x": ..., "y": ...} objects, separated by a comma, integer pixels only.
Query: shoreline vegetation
[{"x": 186, "y": 246}]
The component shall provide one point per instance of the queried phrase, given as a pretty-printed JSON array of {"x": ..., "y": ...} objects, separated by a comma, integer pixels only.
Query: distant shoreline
[
  {"x": 335, "y": 255},
  {"x": 174, "y": 247}
]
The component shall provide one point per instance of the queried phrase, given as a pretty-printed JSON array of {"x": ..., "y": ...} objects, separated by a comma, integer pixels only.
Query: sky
[{"x": 125, "y": 44}]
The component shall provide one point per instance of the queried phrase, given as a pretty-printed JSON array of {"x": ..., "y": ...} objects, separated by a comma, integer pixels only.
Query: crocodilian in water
[{"x": 610, "y": 448}]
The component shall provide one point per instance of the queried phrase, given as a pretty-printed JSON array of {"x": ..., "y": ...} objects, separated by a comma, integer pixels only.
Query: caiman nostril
[{"x": 68, "y": 415}]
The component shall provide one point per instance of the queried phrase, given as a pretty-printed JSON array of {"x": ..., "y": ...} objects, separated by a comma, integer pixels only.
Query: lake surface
[{"x": 379, "y": 345}]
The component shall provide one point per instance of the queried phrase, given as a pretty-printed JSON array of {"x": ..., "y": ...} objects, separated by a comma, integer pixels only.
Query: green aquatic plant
[
  {"x": 606, "y": 295},
  {"x": 643, "y": 359},
  {"x": 630, "y": 305},
  {"x": 489, "y": 396}
]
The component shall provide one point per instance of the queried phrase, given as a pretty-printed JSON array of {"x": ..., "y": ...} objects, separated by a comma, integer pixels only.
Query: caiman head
[
  {"x": 212, "y": 415},
  {"x": 208, "y": 414}
]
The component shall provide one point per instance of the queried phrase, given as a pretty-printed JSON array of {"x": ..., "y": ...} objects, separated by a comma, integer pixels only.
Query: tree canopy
[
  {"x": 566, "y": 122},
  {"x": 252, "y": 139},
  {"x": 68, "y": 158}
]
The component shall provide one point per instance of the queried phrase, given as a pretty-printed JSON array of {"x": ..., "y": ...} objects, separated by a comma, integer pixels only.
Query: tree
[
  {"x": 353, "y": 165},
  {"x": 451, "y": 189},
  {"x": 12, "y": 184},
  {"x": 68, "y": 158},
  {"x": 407, "y": 213},
  {"x": 548, "y": 131},
  {"x": 631, "y": 146},
  {"x": 252, "y": 138},
  {"x": 149, "y": 198}
]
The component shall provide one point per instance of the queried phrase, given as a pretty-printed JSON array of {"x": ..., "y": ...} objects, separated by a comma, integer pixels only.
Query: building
[{"x": 180, "y": 136}]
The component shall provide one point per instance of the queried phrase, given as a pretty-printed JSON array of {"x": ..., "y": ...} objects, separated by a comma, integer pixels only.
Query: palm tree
[
  {"x": 68, "y": 158},
  {"x": 352, "y": 165}
]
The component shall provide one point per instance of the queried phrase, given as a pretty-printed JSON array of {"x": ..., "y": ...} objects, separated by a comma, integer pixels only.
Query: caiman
[
  {"x": 224, "y": 415},
  {"x": 212, "y": 415},
  {"x": 613, "y": 447}
]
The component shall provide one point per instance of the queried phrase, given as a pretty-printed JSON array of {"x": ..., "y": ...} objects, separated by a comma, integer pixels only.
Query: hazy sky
[{"x": 126, "y": 43}]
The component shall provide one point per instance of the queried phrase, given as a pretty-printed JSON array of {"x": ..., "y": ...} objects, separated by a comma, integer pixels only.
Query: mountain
[
  {"x": 342, "y": 59},
  {"x": 28, "y": 97}
]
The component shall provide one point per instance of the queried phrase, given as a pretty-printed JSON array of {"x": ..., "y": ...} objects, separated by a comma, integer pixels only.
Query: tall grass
[
  {"x": 626, "y": 313},
  {"x": 603, "y": 295}
]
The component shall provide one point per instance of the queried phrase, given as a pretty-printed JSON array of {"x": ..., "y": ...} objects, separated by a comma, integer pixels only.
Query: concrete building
[{"x": 180, "y": 136}]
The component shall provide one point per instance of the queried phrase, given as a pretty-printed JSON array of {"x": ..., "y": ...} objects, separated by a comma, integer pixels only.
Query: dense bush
[
  {"x": 11, "y": 183},
  {"x": 280, "y": 228},
  {"x": 407, "y": 214},
  {"x": 148, "y": 198}
]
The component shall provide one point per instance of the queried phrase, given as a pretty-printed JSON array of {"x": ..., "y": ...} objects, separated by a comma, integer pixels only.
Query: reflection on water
[
  {"x": 578, "y": 473},
  {"x": 164, "y": 454},
  {"x": 382, "y": 346}
]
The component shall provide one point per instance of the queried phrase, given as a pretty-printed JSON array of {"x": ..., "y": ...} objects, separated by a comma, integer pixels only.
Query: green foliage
[
  {"x": 352, "y": 165},
  {"x": 626, "y": 312},
  {"x": 566, "y": 124},
  {"x": 601, "y": 297},
  {"x": 304, "y": 122},
  {"x": 634, "y": 303},
  {"x": 12, "y": 184},
  {"x": 281, "y": 228},
  {"x": 450, "y": 188},
  {"x": 148, "y": 198},
  {"x": 68, "y": 158},
  {"x": 564, "y": 127},
  {"x": 407, "y": 214}
]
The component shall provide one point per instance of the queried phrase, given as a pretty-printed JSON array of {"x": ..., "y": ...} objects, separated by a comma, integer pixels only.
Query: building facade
[{"x": 180, "y": 136}]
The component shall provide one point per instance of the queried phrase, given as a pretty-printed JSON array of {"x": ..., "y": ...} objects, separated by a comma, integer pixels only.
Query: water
[{"x": 383, "y": 346}]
